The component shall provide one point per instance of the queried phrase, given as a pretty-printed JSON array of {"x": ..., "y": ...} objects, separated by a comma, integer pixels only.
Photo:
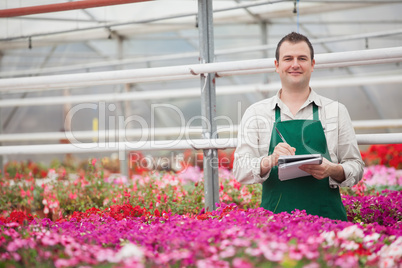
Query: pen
[{"x": 280, "y": 135}]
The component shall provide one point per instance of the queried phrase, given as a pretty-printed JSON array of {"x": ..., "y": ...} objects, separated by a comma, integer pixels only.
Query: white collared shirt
[{"x": 255, "y": 134}]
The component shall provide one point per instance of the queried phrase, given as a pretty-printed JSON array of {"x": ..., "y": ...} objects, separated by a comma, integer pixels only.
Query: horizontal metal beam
[
  {"x": 158, "y": 133},
  {"x": 195, "y": 92},
  {"x": 197, "y": 144},
  {"x": 23, "y": 11},
  {"x": 184, "y": 71}
]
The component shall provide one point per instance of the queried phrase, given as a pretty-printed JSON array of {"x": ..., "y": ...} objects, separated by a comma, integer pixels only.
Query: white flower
[
  {"x": 350, "y": 245},
  {"x": 351, "y": 232},
  {"x": 129, "y": 251},
  {"x": 369, "y": 239},
  {"x": 390, "y": 254},
  {"x": 46, "y": 210},
  {"x": 329, "y": 237}
]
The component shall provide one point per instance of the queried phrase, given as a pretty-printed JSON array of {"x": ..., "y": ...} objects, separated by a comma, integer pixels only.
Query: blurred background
[{"x": 165, "y": 33}]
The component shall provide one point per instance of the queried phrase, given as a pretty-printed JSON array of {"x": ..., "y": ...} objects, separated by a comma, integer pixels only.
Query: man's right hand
[
  {"x": 282, "y": 149},
  {"x": 270, "y": 161}
]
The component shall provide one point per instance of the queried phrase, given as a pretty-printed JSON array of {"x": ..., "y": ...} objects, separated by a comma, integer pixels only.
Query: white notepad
[{"x": 288, "y": 166}]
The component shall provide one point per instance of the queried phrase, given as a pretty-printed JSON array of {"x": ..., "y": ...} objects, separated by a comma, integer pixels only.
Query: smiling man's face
[{"x": 294, "y": 65}]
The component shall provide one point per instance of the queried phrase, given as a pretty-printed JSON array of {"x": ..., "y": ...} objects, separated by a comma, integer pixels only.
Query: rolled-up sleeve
[
  {"x": 348, "y": 152},
  {"x": 249, "y": 152}
]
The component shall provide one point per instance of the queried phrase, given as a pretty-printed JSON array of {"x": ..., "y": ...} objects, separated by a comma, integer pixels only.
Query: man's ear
[
  {"x": 276, "y": 65},
  {"x": 312, "y": 65}
]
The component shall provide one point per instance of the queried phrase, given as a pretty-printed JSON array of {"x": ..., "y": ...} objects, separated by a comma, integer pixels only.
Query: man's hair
[{"x": 294, "y": 38}]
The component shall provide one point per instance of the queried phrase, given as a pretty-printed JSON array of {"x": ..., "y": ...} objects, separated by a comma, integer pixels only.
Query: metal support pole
[
  {"x": 1, "y": 132},
  {"x": 264, "y": 41},
  {"x": 1, "y": 129},
  {"x": 208, "y": 103},
  {"x": 124, "y": 108}
]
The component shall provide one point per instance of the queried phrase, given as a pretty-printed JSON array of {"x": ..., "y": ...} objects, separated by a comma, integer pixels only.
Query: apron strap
[
  {"x": 315, "y": 112},
  {"x": 278, "y": 113}
]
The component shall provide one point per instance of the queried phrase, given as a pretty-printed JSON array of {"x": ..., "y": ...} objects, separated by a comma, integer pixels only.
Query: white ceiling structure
[{"x": 164, "y": 33}]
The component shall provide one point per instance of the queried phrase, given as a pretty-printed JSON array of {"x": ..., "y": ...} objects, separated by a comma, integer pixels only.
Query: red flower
[
  {"x": 157, "y": 213},
  {"x": 18, "y": 217}
]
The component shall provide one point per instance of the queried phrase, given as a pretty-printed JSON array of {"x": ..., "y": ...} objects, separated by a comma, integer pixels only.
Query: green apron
[{"x": 305, "y": 193}]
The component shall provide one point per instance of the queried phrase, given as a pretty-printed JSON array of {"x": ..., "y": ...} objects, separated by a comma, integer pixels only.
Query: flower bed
[
  {"x": 157, "y": 219},
  {"x": 227, "y": 237},
  {"x": 181, "y": 193}
]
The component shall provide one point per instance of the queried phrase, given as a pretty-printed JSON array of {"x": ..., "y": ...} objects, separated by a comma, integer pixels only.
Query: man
[{"x": 310, "y": 124}]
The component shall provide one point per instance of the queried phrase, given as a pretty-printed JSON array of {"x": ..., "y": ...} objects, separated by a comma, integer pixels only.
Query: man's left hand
[{"x": 326, "y": 169}]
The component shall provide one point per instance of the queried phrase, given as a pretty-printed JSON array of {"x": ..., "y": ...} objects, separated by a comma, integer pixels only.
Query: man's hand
[
  {"x": 272, "y": 160},
  {"x": 326, "y": 169},
  {"x": 281, "y": 149}
]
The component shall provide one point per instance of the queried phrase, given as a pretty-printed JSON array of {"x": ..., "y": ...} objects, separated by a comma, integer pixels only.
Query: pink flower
[
  {"x": 66, "y": 240},
  {"x": 227, "y": 252},
  {"x": 12, "y": 224},
  {"x": 312, "y": 265},
  {"x": 347, "y": 261},
  {"x": 295, "y": 253},
  {"x": 272, "y": 250},
  {"x": 240, "y": 263},
  {"x": 50, "y": 240},
  {"x": 16, "y": 244},
  {"x": 23, "y": 193},
  {"x": 72, "y": 196},
  {"x": 11, "y": 232},
  {"x": 16, "y": 256},
  {"x": 62, "y": 263}
]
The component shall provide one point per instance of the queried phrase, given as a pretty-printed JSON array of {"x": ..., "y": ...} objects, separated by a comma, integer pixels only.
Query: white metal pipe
[
  {"x": 198, "y": 144},
  {"x": 110, "y": 134},
  {"x": 384, "y": 138},
  {"x": 357, "y": 81},
  {"x": 359, "y": 55},
  {"x": 120, "y": 146},
  {"x": 373, "y": 124},
  {"x": 57, "y": 69},
  {"x": 358, "y": 63},
  {"x": 195, "y": 92},
  {"x": 113, "y": 77},
  {"x": 220, "y": 74},
  {"x": 317, "y": 66}
]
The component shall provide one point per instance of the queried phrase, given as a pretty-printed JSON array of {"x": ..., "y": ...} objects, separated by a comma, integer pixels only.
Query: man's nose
[{"x": 295, "y": 63}]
